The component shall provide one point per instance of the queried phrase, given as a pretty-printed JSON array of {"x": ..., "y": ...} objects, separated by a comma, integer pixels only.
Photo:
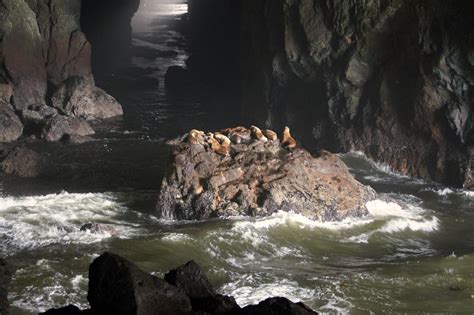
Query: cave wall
[
  {"x": 391, "y": 78},
  {"x": 108, "y": 26}
]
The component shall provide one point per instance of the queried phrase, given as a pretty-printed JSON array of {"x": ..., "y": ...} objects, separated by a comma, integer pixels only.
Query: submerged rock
[
  {"x": 257, "y": 179},
  {"x": 117, "y": 286},
  {"x": 99, "y": 228},
  {"x": 60, "y": 126},
  {"x": 26, "y": 163}
]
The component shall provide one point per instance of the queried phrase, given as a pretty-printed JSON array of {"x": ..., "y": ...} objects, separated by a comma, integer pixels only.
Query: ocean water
[{"x": 413, "y": 252}]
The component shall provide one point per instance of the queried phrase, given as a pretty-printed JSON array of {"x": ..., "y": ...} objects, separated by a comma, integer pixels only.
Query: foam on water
[
  {"x": 445, "y": 192},
  {"x": 36, "y": 221}
]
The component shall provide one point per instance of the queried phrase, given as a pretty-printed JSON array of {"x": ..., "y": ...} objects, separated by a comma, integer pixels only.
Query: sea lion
[
  {"x": 224, "y": 144},
  {"x": 271, "y": 135},
  {"x": 216, "y": 145},
  {"x": 238, "y": 134},
  {"x": 196, "y": 137},
  {"x": 258, "y": 134},
  {"x": 288, "y": 141}
]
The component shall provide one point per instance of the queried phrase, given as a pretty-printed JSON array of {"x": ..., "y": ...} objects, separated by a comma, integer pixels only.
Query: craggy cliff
[
  {"x": 391, "y": 78},
  {"x": 46, "y": 84}
]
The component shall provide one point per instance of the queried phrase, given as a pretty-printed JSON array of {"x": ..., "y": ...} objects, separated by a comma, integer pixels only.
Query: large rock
[
  {"x": 80, "y": 98},
  {"x": 117, "y": 286},
  {"x": 62, "y": 127},
  {"x": 11, "y": 127},
  {"x": 259, "y": 179},
  {"x": 191, "y": 279},
  {"x": 5, "y": 278},
  {"x": 26, "y": 163}
]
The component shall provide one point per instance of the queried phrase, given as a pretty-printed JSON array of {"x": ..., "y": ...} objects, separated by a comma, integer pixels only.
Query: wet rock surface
[
  {"x": 117, "y": 286},
  {"x": 79, "y": 98},
  {"x": 258, "y": 178}
]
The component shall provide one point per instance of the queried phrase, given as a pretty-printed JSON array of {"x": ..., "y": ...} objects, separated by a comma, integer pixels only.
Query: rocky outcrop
[
  {"x": 117, "y": 286},
  {"x": 107, "y": 25},
  {"x": 77, "y": 97},
  {"x": 391, "y": 78},
  {"x": 41, "y": 49},
  {"x": 258, "y": 178},
  {"x": 5, "y": 278},
  {"x": 25, "y": 163}
]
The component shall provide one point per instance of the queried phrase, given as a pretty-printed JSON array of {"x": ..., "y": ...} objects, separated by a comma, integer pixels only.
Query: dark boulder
[
  {"x": 277, "y": 306},
  {"x": 11, "y": 127},
  {"x": 5, "y": 277},
  {"x": 26, "y": 163},
  {"x": 117, "y": 286},
  {"x": 37, "y": 114},
  {"x": 67, "y": 310},
  {"x": 192, "y": 280},
  {"x": 60, "y": 126}
]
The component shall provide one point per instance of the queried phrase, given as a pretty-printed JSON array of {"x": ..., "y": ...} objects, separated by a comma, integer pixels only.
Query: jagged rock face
[
  {"x": 21, "y": 53},
  {"x": 390, "y": 78},
  {"x": 41, "y": 49},
  {"x": 258, "y": 179},
  {"x": 107, "y": 24}
]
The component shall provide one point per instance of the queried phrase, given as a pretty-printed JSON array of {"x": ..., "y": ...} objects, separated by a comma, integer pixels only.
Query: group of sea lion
[{"x": 221, "y": 141}]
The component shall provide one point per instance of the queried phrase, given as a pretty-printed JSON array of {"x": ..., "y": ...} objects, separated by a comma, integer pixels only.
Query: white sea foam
[
  {"x": 249, "y": 294},
  {"x": 36, "y": 221},
  {"x": 444, "y": 192}
]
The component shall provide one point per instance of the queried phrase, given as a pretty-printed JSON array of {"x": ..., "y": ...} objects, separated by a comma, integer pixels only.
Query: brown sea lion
[
  {"x": 224, "y": 144},
  {"x": 288, "y": 141},
  {"x": 196, "y": 137},
  {"x": 271, "y": 135},
  {"x": 258, "y": 134}
]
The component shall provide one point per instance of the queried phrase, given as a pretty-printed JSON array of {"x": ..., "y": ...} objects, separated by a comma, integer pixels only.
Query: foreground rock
[
  {"x": 259, "y": 178},
  {"x": 5, "y": 277},
  {"x": 26, "y": 163},
  {"x": 116, "y": 286}
]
